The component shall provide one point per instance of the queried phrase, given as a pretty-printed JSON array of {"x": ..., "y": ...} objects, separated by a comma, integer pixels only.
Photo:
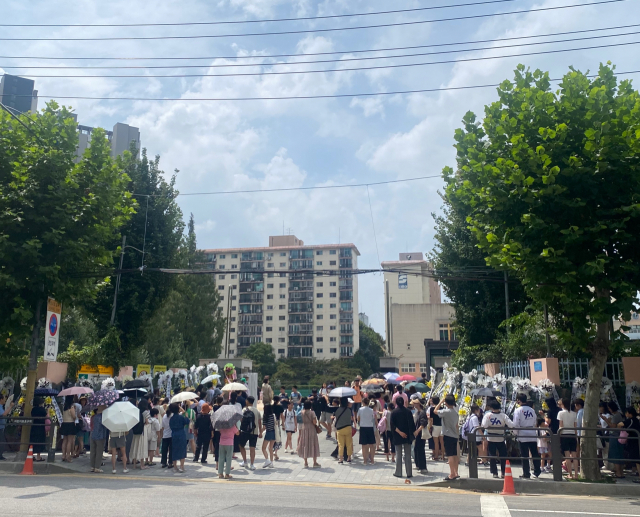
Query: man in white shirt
[
  {"x": 494, "y": 422},
  {"x": 525, "y": 416}
]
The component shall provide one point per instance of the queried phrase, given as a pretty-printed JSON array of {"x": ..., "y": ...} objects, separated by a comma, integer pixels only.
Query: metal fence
[{"x": 569, "y": 370}]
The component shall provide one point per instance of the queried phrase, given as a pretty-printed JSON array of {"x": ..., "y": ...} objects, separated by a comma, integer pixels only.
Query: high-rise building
[
  {"x": 364, "y": 318},
  {"x": 17, "y": 94},
  {"x": 120, "y": 139},
  {"x": 418, "y": 325},
  {"x": 300, "y": 299}
]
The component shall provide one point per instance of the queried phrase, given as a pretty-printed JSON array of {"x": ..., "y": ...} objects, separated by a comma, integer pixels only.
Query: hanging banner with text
[{"x": 52, "y": 330}]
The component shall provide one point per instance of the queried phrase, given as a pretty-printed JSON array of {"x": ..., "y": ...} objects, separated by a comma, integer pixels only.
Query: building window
[
  {"x": 223, "y": 256},
  {"x": 333, "y": 350},
  {"x": 333, "y": 339},
  {"x": 333, "y": 295},
  {"x": 281, "y": 318},
  {"x": 318, "y": 284},
  {"x": 332, "y": 262},
  {"x": 408, "y": 346},
  {"x": 269, "y": 318},
  {"x": 319, "y": 263},
  {"x": 282, "y": 307},
  {"x": 319, "y": 351},
  {"x": 232, "y": 341},
  {"x": 319, "y": 306},
  {"x": 319, "y": 252},
  {"x": 281, "y": 351},
  {"x": 269, "y": 286},
  {"x": 233, "y": 318},
  {"x": 220, "y": 277},
  {"x": 446, "y": 332},
  {"x": 233, "y": 307},
  {"x": 319, "y": 339},
  {"x": 283, "y": 275},
  {"x": 269, "y": 308},
  {"x": 319, "y": 317},
  {"x": 221, "y": 298},
  {"x": 283, "y": 296},
  {"x": 319, "y": 327},
  {"x": 407, "y": 367},
  {"x": 423, "y": 367},
  {"x": 332, "y": 284},
  {"x": 270, "y": 264},
  {"x": 283, "y": 254},
  {"x": 233, "y": 298},
  {"x": 233, "y": 277},
  {"x": 234, "y": 266},
  {"x": 319, "y": 295},
  {"x": 234, "y": 287},
  {"x": 269, "y": 340},
  {"x": 333, "y": 317},
  {"x": 232, "y": 330},
  {"x": 221, "y": 266},
  {"x": 221, "y": 288},
  {"x": 269, "y": 275},
  {"x": 234, "y": 255},
  {"x": 280, "y": 340},
  {"x": 282, "y": 286},
  {"x": 332, "y": 306},
  {"x": 283, "y": 264},
  {"x": 269, "y": 297},
  {"x": 332, "y": 327},
  {"x": 269, "y": 329},
  {"x": 332, "y": 252}
]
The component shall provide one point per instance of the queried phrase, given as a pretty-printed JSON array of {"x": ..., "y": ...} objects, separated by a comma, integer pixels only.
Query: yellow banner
[
  {"x": 100, "y": 370},
  {"x": 143, "y": 369},
  {"x": 159, "y": 369}
]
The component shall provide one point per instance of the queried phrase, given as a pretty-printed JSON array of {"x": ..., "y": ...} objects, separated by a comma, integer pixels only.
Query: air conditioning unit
[{"x": 269, "y": 258}]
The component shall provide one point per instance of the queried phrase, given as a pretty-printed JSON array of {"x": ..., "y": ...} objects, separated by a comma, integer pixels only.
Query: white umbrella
[
  {"x": 343, "y": 392},
  {"x": 183, "y": 395},
  {"x": 234, "y": 386},
  {"x": 120, "y": 417},
  {"x": 210, "y": 378}
]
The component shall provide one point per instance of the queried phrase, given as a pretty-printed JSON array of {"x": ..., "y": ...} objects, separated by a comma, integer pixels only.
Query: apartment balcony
[
  {"x": 300, "y": 285},
  {"x": 346, "y": 296},
  {"x": 251, "y": 287},
  {"x": 345, "y": 252},
  {"x": 251, "y": 297},
  {"x": 242, "y": 332},
  {"x": 250, "y": 319},
  {"x": 306, "y": 352},
  {"x": 301, "y": 264},
  {"x": 252, "y": 256},
  {"x": 252, "y": 266},
  {"x": 346, "y": 263},
  {"x": 346, "y": 284},
  {"x": 251, "y": 277}
]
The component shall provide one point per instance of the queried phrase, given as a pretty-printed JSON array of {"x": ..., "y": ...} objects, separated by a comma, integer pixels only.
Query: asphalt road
[{"x": 75, "y": 495}]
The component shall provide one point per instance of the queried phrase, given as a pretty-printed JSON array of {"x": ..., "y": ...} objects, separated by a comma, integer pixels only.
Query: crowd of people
[{"x": 401, "y": 426}]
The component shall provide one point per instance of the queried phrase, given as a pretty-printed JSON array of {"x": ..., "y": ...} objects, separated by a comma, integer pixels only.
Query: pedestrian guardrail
[
  {"x": 557, "y": 456},
  {"x": 14, "y": 426}
]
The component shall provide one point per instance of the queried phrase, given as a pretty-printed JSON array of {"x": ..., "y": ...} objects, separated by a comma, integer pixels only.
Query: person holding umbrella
[
  {"x": 98, "y": 436},
  {"x": 177, "y": 423}
]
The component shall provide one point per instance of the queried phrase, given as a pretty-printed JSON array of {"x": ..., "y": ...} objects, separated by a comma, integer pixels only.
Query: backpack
[
  {"x": 382, "y": 424},
  {"x": 299, "y": 415},
  {"x": 466, "y": 428},
  {"x": 248, "y": 422}
]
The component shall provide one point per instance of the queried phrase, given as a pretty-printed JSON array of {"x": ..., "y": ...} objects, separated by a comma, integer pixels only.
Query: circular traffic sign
[{"x": 53, "y": 325}]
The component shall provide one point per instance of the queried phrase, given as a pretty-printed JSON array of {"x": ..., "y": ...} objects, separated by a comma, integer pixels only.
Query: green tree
[
  {"x": 264, "y": 360},
  {"x": 58, "y": 218},
  {"x": 371, "y": 348},
  {"x": 475, "y": 290},
  {"x": 552, "y": 184},
  {"x": 157, "y": 228}
]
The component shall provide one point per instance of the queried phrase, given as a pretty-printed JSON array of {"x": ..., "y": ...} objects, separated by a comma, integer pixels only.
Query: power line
[
  {"x": 273, "y": 56},
  {"x": 293, "y": 97},
  {"x": 229, "y": 22},
  {"x": 307, "y": 31},
  {"x": 352, "y": 69},
  {"x": 339, "y": 60}
]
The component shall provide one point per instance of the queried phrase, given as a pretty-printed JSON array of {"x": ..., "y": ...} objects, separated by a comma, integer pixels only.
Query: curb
[
  {"x": 542, "y": 487},
  {"x": 14, "y": 467}
]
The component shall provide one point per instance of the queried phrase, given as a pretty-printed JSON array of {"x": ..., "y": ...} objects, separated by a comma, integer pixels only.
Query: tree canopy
[{"x": 551, "y": 181}]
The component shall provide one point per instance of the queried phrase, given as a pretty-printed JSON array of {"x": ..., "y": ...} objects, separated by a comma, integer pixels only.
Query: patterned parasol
[
  {"x": 103, "y": 398},
  {"x": 226, "y": 417}
]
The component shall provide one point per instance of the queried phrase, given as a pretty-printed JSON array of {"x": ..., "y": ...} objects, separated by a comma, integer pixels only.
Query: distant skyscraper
[
  {"x": 17, "y": 93},
  {"x": 364, "y": 318},
  {"x": 120, "y": 139}
]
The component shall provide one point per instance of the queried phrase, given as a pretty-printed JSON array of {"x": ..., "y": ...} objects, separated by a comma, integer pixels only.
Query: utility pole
[{"x": 115, "y": 294}]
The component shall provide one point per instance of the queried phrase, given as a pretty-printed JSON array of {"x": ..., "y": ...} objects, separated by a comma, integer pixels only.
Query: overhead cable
[{"x": 307, "y": 31}]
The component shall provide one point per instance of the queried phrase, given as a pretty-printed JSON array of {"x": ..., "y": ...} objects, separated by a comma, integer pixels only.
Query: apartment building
[
  {"x": 418, "y": 325},
  {"x": 300, "y": 299},
  {"x": 120, "y": 139},
  {"x": 18, "y": 94}
]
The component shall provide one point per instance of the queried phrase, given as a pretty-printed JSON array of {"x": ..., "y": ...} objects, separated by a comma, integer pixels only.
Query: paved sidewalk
[{"x": 290, "y": 468}]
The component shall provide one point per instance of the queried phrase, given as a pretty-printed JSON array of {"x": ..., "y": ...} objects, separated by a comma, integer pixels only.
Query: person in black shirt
[
  {"x": 435, "y": 429},
  {"x": 278, "y": 411},
  {"x": 203, "y": 431},
  {"x": 402, "y": 428}
]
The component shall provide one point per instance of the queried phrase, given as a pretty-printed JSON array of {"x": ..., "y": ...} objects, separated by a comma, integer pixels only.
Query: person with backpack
[
  {"x": 308, "y": 445},
  {"x": 269, "y": 421},
  {"x": 290, "y": 426},
  {"x": 422, "y": 434},
  {"x": 250, "y": 431}
]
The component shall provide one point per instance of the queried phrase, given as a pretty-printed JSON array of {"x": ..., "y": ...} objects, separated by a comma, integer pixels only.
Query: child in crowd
[
  {"x": 154, "y": 428},
  {"x": 290, "y": 426},
  {"x": 494, "y": 422},
  {"x": 543, "y": 445}
]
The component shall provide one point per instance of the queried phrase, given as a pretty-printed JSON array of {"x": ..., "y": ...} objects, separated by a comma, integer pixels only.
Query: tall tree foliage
[
  {"x": 479, "y": 299},
  {"x": 371, "y": 347},
  {"x": 552, "y": 185},
  {"x": 157, "y": 229},
  {"x": 58, "y": 218}
]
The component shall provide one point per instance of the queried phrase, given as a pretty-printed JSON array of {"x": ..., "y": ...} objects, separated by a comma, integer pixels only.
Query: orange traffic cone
[
  {"x": 27, "y": 470},
  {"x": 508, "y": 488}
]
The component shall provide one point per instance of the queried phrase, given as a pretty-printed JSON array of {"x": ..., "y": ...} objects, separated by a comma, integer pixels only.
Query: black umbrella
[
  {"x": 486, "y": 392},
  {"x": 376, "y": 376},
  {"x": 136, "y": 393},
  {"x": 136, "y": 383}
]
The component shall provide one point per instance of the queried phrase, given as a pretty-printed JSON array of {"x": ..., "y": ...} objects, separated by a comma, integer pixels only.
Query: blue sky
[{"x": 271, "y": 144}]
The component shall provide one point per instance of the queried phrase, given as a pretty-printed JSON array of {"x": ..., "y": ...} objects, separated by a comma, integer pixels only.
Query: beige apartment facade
[
  {"x": 418, "y": 325},
  {"x": 300, "y": 299}
]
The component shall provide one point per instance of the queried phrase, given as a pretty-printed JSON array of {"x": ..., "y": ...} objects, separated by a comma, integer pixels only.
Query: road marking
[
  {"x": 575, "y": 513},
  {"x": 494, "y": 506}
]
